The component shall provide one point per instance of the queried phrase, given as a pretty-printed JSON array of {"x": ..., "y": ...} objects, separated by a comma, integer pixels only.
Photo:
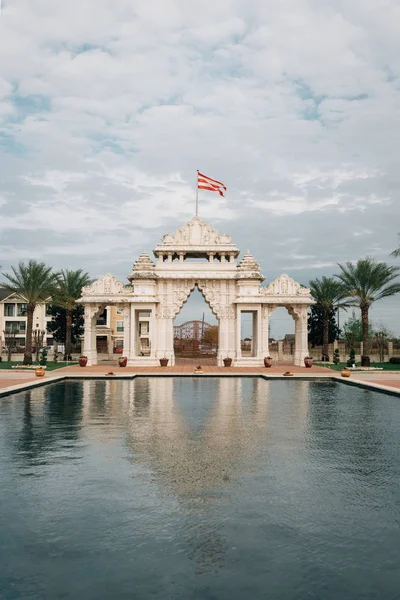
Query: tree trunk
[
  {"x": 365, "y": 360},
  {"x": 325, "y": 336},
  {"x": 68, "y": 328},
  {"x": 28, "y": 341}
]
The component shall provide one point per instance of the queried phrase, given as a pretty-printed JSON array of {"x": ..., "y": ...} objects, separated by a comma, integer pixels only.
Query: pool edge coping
[{"x": 377, "y": 387}]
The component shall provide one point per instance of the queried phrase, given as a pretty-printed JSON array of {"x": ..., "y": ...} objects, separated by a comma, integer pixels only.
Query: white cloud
[{"x": 107, "y": 109}]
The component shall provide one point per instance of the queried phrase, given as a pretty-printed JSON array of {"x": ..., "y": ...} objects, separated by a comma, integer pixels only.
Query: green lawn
[
  {"x": 50, "y": 366},
  {"x": 340, "y": 366}
]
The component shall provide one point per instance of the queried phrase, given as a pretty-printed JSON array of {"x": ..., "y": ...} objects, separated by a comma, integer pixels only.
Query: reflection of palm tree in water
[{"x": 49, "y": 417}]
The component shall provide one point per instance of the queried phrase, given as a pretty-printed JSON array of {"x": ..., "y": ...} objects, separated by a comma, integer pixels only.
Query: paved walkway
[{"x": 189, "y": 368}]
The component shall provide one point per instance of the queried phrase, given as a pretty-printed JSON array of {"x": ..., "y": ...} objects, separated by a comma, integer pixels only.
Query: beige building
[
  {"x": 109, "y": 326},
  {"x": 13, "y": 318}
]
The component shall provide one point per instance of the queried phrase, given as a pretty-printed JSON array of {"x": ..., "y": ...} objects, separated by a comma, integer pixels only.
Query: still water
[{"x": 199, "y": 489}]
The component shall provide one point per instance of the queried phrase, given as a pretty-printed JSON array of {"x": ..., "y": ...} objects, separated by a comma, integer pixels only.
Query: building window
[
  {"x": 21, "y": 309},
  {"x": 9, "y": 310},
  {"x": 48, "y": 313},
  {"x": 102, "y": 318},
  {"x": 15, "y": 326},
  {"x": 120, "y": 326}
]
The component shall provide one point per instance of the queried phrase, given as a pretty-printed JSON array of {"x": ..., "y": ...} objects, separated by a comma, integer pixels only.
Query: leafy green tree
[
  {"x": 210, "y": 336},
  {"x": 34, "y": 283},
  {"x": 329, "y": 295},
  {"x": 316, "y": 326},
  {"x": 69, "y": 290},
  {"x": 352, "y": 331},
  {"x": 381, "y": 336},
  {"x": 58, "y": 322},
  {"x": 366, "y": 282}
]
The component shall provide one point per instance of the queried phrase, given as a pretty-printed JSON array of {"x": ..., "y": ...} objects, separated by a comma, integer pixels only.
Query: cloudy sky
[{"x": 108, "y": 108}]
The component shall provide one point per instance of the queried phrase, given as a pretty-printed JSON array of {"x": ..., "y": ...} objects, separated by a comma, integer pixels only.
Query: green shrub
[
  {"x": 352, "y": 358},
  {"x": 336, "y": 357},
  {"x": 43, "y": 357},
  {"x": 395, "y": 360}
]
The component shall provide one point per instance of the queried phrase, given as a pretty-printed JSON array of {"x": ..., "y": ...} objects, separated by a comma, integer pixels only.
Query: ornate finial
[
  {"x": 249, "y": 267},
  {"x": 143, "y": 268}
]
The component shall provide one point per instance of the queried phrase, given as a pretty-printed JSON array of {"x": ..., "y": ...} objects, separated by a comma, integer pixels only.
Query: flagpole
[{"x": 197, "y": 193}]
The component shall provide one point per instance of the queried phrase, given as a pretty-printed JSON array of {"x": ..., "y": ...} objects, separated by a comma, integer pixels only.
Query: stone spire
[
  {"x": 249, "y": 268},
  {"x": 144, "y": 268}
]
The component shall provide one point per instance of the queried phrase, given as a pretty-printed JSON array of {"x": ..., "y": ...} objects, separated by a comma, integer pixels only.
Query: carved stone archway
[{"x": 157, "y": 291}]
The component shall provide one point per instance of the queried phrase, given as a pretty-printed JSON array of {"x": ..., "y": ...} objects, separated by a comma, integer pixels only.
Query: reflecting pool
[{"x": 203, "y": 488}]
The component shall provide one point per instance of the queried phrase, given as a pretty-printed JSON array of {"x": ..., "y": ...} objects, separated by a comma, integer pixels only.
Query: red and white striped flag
[{"x": 212, "y": 185}]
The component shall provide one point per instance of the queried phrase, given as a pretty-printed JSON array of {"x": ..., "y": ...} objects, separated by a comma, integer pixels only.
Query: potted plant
[
  {"x": 345, "y": 372},
  {"x": 308, "y": 362},
  {"x": 83, "y": 361},
  {"x": 164, "y": 362},
  {"x": 267, "y": 362},
  {"x": 227, "y": 362},
  {"x": 123, "y": 361}
]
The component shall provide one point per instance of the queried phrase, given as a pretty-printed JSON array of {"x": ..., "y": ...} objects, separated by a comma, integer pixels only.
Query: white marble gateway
[{"x": 157, "y": 291}]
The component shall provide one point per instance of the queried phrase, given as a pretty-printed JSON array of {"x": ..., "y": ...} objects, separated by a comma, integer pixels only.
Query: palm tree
[
  {"x": 69, "y": 290},
  {"x": 329, "y": 295},
  {"x": 396, "y": 252},
  {"x": 33, "y": 282},
  {"x": 368, "y": 281}
]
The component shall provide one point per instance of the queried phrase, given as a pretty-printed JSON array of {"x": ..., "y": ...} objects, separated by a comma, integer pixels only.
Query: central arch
[{"x": 195, "y": 331}]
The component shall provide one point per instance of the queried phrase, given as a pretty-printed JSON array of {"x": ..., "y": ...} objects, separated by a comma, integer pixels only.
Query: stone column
[
  {"x": 132, "y": 335},
  {"x": 165, "y": 336},
  {"x": 390, "y": 349},
  {"x": 110, "y": 346},
  {"x": 89, "y": 337},
  {"x": 301, "y": 334},
  {"x": 238, "y": 332},
  {"x": 266, "y": 311},
  {"x": 259, "y": 334},
  {"x": 127, "y": 330}
]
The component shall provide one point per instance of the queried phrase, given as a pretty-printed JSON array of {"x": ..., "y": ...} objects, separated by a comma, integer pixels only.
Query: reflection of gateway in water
[
  {"x": 186, "y": 456},
  {"x": 193, "y": 447}
]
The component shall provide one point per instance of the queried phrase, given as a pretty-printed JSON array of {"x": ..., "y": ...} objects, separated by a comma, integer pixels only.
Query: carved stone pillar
[
  {"x": 299, "y": 313},
  {"x": 127, "y": 330},
  {"x": 89, "y": 337},
  {"x": 266, "y": 312}
]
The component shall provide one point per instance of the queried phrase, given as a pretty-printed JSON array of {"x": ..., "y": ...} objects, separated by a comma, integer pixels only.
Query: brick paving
[
  {"x": 189, "y": 368},
  {"x": 393, "y": 383},
  {"x": 7, "y": 382}
]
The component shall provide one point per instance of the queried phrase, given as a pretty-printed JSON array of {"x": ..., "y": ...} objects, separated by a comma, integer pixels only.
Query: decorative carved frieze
[
  {"x": 106, "y": 285},
  {"x": 285, "y": 286}
]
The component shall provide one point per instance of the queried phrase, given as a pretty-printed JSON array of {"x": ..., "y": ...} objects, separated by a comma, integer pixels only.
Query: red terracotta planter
[
  {"x": 164, "y": 362},
  {"x": 227, "y": 362},
  {"x": 308, "y": 363},
  {"x": 123, "y": 361},
  {"x": 83, "y": 361},
  {"x": 267, "y": 362}
]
